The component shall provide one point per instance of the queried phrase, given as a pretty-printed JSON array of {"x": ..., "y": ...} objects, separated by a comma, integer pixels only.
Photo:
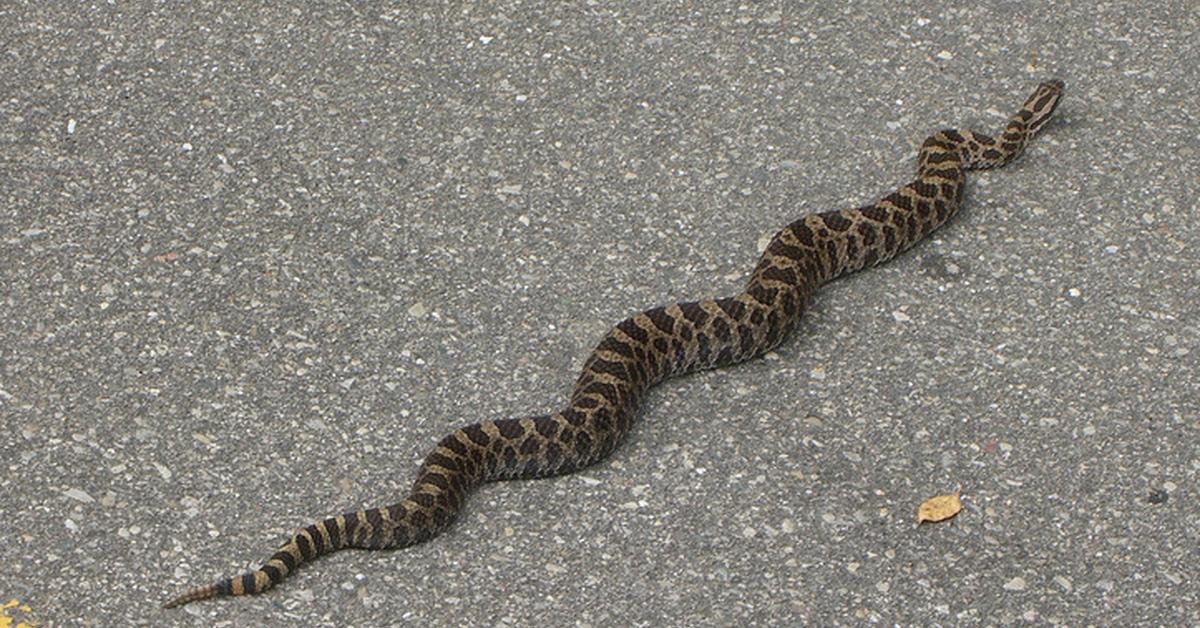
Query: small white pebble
[
  {"x": 945, "y": 55},
  {"x": 763, "y": 241},
  {"x": 185, "y": 147},
  {"x": 1016, "y": 584},
  {"x": 79, "y": 495},
  {"x": 163, "y": 471},
  {"x": 417, "y": 310},
  {"x": 485, "y": 39},
  {"x": 71, "y": 126},
  {"x": 1074, "y": 292},
  {"x": 900, "y": 317}
]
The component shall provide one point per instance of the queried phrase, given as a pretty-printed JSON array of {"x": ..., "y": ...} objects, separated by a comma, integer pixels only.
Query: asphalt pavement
[{"x": 254, "y": 262}]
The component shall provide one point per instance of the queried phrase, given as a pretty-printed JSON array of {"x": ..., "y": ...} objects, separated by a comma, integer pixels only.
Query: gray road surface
[{"x": 255, "y": 261}]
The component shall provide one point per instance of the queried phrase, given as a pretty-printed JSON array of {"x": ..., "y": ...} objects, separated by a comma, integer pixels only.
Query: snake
[{"x": 659, "y": 343}]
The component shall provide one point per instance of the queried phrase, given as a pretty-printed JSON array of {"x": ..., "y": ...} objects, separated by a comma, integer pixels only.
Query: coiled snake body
[{"x": 658, "y": 343}]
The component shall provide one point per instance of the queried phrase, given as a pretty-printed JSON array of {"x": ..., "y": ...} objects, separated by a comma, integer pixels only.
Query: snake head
[{"x": 1042, "y": 103}]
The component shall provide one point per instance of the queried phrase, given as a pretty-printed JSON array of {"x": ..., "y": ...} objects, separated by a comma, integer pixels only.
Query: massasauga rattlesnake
[{"x": 656, "y": 344}]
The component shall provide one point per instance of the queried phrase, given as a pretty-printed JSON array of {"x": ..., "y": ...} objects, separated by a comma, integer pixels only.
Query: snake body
[{"x": 658, "y": 343}]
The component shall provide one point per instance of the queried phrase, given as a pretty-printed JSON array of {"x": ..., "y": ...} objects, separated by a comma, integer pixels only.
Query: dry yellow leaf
[{"x": 939, "y": 508}]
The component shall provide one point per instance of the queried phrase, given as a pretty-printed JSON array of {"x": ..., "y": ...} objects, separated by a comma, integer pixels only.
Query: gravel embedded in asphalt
[{"x": 255, "y": 262}]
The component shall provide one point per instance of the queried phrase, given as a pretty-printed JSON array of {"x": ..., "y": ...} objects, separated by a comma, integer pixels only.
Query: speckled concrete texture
[{"x": 255, "y": 261}]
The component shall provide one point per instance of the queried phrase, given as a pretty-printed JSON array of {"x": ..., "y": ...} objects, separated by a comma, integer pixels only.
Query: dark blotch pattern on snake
[{"x": 656, "y": 344}]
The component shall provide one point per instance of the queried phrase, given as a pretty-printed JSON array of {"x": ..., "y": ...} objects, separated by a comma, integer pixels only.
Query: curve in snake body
[{"x": 646, "y": 348}]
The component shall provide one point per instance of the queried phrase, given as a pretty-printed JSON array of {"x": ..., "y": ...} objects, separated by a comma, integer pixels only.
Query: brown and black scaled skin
[{"x": 659, "y": 343}]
